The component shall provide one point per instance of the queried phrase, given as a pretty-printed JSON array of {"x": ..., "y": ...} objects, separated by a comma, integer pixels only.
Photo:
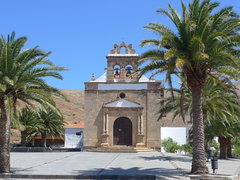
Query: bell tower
[{"x": 121, "y": 67}]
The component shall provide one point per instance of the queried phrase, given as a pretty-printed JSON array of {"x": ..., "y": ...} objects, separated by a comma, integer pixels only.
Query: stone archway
[{"x": 122, "y": 131}]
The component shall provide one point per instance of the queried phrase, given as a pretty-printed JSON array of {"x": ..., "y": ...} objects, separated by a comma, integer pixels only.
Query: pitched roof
[
  {"x": 75, "y": 126},
  {"x": 122, "y": 103},
  {"x": 102, "y": 78}
]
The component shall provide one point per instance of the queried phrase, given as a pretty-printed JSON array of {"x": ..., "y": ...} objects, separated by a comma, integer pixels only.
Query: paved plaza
[{"x": 93, "y": 164}]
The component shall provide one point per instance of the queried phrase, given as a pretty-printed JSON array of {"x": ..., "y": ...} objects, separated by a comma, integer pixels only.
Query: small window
[
  {"x": 122, "y": 95},
  {"x": 79, "y": 133}
]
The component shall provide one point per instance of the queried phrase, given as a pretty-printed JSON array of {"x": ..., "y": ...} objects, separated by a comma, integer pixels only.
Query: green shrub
[
  {"x": 169, "y": 145},
  {"x": 236, "y": 146},
  {"x": 216, "y": 147},
  {"x": 236, "y": 150},
  {"x": 187, "y": 148},
  {"x": 236, "y": 141}
]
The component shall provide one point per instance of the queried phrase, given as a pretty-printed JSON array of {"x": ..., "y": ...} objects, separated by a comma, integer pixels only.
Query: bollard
[{"x": 214, "y": 163}]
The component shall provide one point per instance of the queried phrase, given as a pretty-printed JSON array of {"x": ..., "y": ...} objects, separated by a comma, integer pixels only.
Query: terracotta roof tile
[{"x": 74, "y": 126}]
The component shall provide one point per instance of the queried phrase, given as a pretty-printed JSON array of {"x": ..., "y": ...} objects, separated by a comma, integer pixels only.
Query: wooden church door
[{"x": 122, "y": 131}]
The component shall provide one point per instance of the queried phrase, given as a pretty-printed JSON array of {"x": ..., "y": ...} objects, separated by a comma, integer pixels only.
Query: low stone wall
[{"x": 43, "y": 149}]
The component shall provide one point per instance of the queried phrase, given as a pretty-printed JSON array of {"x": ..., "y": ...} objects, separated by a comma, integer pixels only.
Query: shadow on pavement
[
  {"x": 133, "y": 173},
  {"x": 167, "y": 158}
]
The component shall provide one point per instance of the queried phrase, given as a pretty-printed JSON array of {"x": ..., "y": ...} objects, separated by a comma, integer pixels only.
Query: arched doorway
[{"x": 122, "y": 131}]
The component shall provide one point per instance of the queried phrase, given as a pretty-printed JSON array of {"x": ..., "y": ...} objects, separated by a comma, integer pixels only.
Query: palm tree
[
  {"x": 48, "y": 123},
  {"x": 225, "y": 131},
  {"x": 220, "y": 102},
  {"x": 27, "y": 121},
  {"x": 221, "y": 111},
  {"x": 205, "y": 42},
  {"x": 223, "y": 117},
  {"x": 21, "y": 73}
]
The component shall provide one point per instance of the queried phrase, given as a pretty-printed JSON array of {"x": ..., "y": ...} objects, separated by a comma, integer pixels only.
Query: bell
[
  {"x": 129, "y": 71},
  {"x": 117, "y": 74}
]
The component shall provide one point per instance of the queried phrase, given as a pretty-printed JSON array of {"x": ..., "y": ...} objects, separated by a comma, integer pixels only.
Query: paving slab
[{"x": 99, "y": 165}]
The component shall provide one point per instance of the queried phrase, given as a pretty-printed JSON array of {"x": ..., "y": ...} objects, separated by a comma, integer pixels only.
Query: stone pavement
[{"x": 89, "y": 165}]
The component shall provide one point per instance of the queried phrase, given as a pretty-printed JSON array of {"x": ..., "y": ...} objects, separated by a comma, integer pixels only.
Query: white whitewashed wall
[
  {"x": 72, "y": 140},
  {"x": 178, "y": 134}
]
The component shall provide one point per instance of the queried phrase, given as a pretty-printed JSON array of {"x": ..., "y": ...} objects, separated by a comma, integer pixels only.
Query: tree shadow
[
  {"x": 22, "y": 170},
  {"x": 168, "y": 158},
  {"x": 15, "y": 170},
  {"x": 233, "y": 158},
  {"x": 132, "y": 173}
]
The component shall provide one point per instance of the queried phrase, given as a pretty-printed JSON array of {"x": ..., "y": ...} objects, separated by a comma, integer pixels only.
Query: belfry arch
[
  {"x": 117, "y": 71},
  {"x": 129, "y": 71},
  {"x": 123, "y": 50}
]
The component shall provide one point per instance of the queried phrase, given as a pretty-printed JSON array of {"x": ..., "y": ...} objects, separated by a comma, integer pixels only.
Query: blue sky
[{"x": 80, "y": 33}]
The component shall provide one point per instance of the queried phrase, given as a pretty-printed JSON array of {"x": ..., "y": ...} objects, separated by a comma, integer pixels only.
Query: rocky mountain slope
[{"x": 73, "y": 110}]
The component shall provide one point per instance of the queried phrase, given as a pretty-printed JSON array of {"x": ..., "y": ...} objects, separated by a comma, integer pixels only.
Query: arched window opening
[
  {"x": 117, "y": 72},
  {"x": 123, "y": 50},
  {"x": 129, "y": 72}
]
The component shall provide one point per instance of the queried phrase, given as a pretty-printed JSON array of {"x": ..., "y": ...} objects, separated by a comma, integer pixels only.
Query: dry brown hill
[{"x": 73, "y": 111}]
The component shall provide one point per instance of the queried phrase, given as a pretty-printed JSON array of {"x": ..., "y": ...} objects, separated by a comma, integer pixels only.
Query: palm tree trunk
[
  {"x": 24, "y": 138},
  {"x": 223, "y": 147},
  {"x": 44, "y": 139},
  {"x": 229, "y": 147},
  {"x": 4, "y": 139},
  {"x": 33, "y": 141},
  {"x": 199, "y": 158}
]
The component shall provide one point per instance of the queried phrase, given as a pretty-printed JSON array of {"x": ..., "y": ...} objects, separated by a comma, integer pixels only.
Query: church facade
[{"x": 122, "y": 110}]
